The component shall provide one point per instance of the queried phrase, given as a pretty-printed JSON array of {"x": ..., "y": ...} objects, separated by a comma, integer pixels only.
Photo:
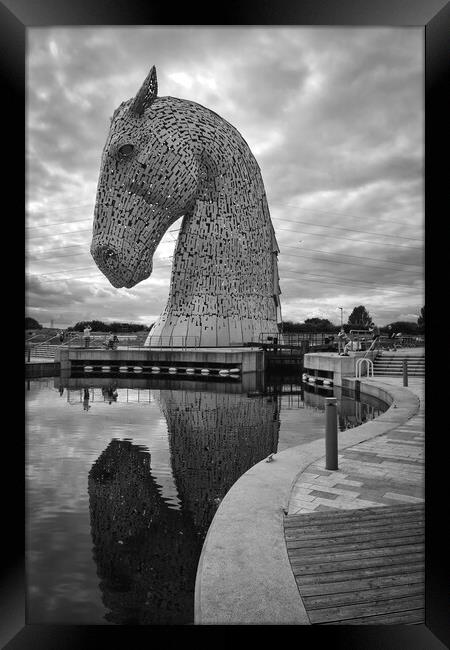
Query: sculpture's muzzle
[{"x": 122, "y": 267}]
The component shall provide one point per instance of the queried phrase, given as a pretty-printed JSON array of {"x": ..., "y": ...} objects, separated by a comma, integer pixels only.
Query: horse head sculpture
[{"x": 167, "y": 158}]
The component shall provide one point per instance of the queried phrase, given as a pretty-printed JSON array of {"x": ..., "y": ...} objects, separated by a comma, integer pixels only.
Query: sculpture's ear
[{"x": 147, "y": 94}]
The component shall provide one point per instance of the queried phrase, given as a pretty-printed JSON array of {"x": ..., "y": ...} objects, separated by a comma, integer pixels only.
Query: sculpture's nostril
[
  {"x": 109, "y": 254},
  {"x": 106, "y": 254}
]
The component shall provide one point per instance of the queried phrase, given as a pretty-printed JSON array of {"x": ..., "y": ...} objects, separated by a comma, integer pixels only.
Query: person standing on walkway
[
  {"x": 347, "y": 347},
  {"x": 87, "y": 336},
  {"x": 391, "y": 337},
  {"x": 374, "y": 330}
]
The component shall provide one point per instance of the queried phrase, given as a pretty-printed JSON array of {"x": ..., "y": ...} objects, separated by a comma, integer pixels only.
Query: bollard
[
  {"x": 29, "y": 354},
  {"x": 405, "y": 372},
  {"x": 331, "y": 441}
]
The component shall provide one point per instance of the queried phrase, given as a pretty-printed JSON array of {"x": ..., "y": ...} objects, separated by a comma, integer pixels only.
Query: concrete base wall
[
  {"x": 247, "y": 359},
  {"x": 332, "y": 362},
  {"x": 44, "y": 369},
  {"x": 366, "y": 388}
]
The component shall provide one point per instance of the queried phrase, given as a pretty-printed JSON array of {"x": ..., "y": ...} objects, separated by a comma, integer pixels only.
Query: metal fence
[
  {"x": 132, "y": 341},
  {"x": 359, "y": 340},
  {"x": 298, "y": 338}
]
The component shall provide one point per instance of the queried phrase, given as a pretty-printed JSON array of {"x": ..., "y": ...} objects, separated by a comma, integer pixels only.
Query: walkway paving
[
  {"x": 364, "y": 565},
  {"x": 385, "y": 470}
]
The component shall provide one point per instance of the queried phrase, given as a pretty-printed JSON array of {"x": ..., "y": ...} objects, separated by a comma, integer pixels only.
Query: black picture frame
[{"x": 18, "y": 15}]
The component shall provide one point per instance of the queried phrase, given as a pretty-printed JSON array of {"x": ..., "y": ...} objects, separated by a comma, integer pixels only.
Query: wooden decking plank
[
  {"x": 305, "y": 533},
  {"x": 313, "y": 527},
  {"x": 358, "y": 537},
  {"x": 338, "y": 524},
  {"x": 360, "y": 566},
  {"x": 360, "y": 574},
  {"x": 348, "y": 530},
  {"x": 321, "y": 517},
  {"x": 357, "y": 542},
  {"x": 370, "y": 524},
  {"x": 355, "y": 597},
  {"x": 358, "y": 513},
  {"x": 300, "y": 566},
  {"x": 412, "y": 617},
  {"x": 314, "y": 556},
  {"x": 366, "y": 609},
  {"x": 375, "y": 582}
]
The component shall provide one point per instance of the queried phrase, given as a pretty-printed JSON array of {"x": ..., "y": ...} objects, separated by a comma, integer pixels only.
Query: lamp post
[{"x": 340, "y": 343}]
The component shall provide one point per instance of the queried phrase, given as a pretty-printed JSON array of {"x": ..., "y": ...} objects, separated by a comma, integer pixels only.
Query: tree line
[
  {"x": 95, "y": 325},
  {"x": 358, "y": 319}
]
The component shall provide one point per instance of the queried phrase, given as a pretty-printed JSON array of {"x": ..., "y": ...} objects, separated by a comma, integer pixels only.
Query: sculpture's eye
[{"x": 126, "y": 150}]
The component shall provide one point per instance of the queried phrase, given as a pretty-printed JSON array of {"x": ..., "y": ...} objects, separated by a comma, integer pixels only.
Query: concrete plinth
[
  {"x": 331, "y": 362},
  {"x": 246, "y": 359}
]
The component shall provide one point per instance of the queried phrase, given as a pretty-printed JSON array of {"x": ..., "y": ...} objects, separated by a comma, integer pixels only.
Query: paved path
[{"x": 387, "y": 470}]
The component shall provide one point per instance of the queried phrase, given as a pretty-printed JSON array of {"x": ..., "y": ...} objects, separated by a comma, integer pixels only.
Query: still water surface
[{"x": 124, "y": 477}]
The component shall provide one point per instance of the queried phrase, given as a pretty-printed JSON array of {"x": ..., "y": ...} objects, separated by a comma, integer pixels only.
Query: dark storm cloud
[{"x": 333, "y": 115}]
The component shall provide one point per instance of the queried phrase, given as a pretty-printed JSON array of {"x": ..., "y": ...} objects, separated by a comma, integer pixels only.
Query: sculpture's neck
[
  {"x": 226, "y": 245},
  {"x": 224, "y": 283}
]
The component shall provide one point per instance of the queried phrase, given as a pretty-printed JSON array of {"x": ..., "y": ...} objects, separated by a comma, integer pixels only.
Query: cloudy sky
[{"x": 334, "y": 116}]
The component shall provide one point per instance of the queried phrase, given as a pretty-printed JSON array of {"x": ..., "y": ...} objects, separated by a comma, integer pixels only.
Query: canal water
[{"x": 123, "y": 477}]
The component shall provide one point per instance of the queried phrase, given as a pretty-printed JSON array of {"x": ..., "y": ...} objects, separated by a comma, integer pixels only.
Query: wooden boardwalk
[{"x": 360, "y": 567}]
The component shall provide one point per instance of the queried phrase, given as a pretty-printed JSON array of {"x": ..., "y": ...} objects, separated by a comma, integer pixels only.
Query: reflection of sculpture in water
[
  {"x": 146, "y": 553},
  {"x": 214, "y": 439}
]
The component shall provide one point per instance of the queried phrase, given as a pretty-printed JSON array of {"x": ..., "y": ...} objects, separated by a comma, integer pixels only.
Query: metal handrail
[
  {"x": 30, "y": 338},
  {"x": 46, "y": 342},
  {"x": 131, "y": 341},
  {"x": 291, "y": 338},
  {"x": 359, "y": 364},
  {"x": 29, "y": 349}
]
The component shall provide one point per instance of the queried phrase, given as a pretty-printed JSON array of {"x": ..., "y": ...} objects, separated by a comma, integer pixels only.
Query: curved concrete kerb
[{"x": 244, "y": 575}]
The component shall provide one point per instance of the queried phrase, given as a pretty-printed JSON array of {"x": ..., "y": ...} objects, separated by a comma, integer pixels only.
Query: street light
[{"x": 339, "y": 340}]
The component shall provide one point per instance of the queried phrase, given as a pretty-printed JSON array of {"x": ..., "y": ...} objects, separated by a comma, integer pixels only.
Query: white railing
[
  {"x": 42, "y": 348},
  {"x": 101, "y": 340},
  {"x": 359, "y": 365}
]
